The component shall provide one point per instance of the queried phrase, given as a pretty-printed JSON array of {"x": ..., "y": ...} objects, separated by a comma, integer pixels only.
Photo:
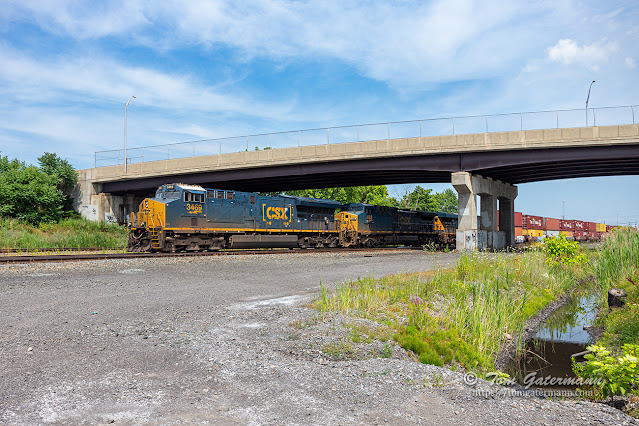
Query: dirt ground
[{"x": 228, "y": 340}]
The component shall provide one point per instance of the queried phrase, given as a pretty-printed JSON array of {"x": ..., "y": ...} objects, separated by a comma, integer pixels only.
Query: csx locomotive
[{"x": 189, "y": 217}]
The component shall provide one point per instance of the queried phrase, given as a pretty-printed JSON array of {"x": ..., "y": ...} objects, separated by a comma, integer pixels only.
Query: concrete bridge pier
[{"x": 489, "y": 232}]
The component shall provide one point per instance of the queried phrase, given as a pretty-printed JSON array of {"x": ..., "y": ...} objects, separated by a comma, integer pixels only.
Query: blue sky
[{"x": 209, "y": 69}]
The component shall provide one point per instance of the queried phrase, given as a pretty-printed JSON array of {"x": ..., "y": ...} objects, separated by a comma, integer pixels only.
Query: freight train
[
  {"x": 536, "y": 228},
  {"x": 191, "y": 218}
]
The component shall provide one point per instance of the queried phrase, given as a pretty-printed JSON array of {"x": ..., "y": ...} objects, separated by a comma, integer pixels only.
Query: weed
[
  {"x": 339, "y": 350},
  {"x": 387, "y": 352}
]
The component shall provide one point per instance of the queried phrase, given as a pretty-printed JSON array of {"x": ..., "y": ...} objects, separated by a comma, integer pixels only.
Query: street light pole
[
  {"x": 587, "y": 99},
  {"x": 125, "y": 107},
  {"x": 563, "y": 214}
]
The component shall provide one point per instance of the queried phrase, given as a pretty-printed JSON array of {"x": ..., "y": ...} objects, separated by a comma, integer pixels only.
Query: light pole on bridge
[
  {"x": 125, "y": 107},
  {"x": 587, "y": 99}
]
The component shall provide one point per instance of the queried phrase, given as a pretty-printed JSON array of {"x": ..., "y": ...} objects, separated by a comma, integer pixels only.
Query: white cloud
[
  {"x": 97, "y": 80},
  {"x": 405, "y": 43},
  {"x": 568, "y": 51},
  {"x": 631, "y": 63}
]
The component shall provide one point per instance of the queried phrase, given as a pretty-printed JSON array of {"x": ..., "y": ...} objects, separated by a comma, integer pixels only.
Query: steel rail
[{"x": 109, "y": 256}]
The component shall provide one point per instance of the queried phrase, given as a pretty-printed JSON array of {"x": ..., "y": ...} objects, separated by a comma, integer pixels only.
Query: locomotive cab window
[
  {"x": 192, "y": 197},
  {"x": 220, "y": 194},
  {"x": 210, "y": 194},
  {"x": 230, "y": 195},
  {"x": 252, "y": 199}
]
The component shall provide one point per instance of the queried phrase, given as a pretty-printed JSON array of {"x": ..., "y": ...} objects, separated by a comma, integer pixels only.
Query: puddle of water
[{"x": 548, "y": 353}]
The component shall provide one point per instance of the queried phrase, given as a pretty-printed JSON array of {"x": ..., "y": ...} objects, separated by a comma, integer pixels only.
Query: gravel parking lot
[{"x": 227, "y": 340}]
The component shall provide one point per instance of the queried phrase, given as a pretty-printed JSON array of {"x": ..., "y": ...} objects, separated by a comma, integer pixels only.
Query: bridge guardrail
[{"x": 517, "y": 121}]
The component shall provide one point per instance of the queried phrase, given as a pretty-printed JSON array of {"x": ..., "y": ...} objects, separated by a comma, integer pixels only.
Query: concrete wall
[{"x": 94, "y": 205}]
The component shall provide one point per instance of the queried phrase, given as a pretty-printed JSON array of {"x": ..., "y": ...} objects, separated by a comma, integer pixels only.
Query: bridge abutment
[
  {"x": 490, "y": 231},
  {"x": 93, "y": 204}
]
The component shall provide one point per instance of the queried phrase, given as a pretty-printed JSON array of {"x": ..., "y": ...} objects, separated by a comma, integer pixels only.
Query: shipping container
[
  {"x": 566, "y": 225},
  {"x": 535, "y": 233},
  {"x": 590, "y": 226},
  {"x": 609, "y": 228},
  {"x": 533, "y": 222},
  {"x": 551, "y": 233},
  {"x": 601, "y": 227},
  {"x": 519, "y": 220},
  {"x": 578, "y": 225},
  {"x": 566, "y": 234},
  {"x": 551, "y": 224},
  {"x": 518, "y": 231},
  {"x": 593, "y": 235}
]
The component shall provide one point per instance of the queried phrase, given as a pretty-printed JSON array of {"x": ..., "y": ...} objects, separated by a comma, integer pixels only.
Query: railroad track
[
  {"x": 56, "y": 249},
  {"x": 49, "y": 258}
]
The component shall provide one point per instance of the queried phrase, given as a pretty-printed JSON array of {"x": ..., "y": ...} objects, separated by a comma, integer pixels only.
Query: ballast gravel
[{"x": 231, "y": 340}]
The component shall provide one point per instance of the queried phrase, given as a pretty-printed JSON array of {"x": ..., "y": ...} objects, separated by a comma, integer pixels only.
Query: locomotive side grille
[{"x": 194, "y": 222}]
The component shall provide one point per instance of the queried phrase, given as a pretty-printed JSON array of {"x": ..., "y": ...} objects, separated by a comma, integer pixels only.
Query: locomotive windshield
[{"x": 193, "y": 197}]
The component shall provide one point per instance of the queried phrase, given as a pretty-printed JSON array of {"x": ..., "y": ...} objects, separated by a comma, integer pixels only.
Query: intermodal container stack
[
  {"x": 591, "y": 230},
  {"x": 566, "y": 225},
  {"x": 519, "y": 222},
  {"x": 533, "y": 222},
  {"x": 551, "y": 226}
]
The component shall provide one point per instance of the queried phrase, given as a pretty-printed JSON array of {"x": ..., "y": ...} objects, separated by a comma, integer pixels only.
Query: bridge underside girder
[{"x": 514, "y": 167}]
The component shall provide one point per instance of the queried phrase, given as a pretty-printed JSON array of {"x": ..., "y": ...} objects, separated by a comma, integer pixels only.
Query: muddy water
[{"x": 548, "y": 354}]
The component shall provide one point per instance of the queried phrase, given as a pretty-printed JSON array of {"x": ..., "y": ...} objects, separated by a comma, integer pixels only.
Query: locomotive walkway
[{"x": 504, "y": 158}]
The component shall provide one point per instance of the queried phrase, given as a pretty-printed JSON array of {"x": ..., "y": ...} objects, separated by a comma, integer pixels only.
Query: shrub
[
  {"x": 560, "y": 250},
  {"x": 609, "y": 375}
]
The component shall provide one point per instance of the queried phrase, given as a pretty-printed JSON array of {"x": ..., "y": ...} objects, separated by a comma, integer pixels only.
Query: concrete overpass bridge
[{"x": 487, "y": 164}]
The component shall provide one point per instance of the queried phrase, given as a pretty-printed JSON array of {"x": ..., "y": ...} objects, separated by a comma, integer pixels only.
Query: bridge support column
[{"x": 488, "y": 232}]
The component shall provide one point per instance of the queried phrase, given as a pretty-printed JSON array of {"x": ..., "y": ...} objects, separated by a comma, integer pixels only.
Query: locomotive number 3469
[{"x": 194, "y": 208}]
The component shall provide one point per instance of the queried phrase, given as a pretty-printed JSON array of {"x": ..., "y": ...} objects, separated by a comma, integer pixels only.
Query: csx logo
[
  {"x": 275, "y": 213},
  {"x": 404, "y": 220}
]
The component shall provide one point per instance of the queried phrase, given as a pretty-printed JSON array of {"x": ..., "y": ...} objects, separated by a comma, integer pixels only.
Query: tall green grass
[
  {"x": 616, "y": 264},
  {"x": 68, "y": 233},
  {"x": 460, "y": 316},
  {"x": 617, "y": 258}
]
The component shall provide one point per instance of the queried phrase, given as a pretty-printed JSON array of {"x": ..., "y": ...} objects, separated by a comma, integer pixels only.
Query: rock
[{"x": 616, "y": 297}]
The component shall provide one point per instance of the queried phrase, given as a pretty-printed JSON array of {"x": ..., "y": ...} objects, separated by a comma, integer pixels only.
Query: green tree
[
  {"x": 419, "y": 199},
  {"x": 63, "y": 172},
  {"x": 377, "y": 195},
  {"x": 445, "y": 201},
  {"x": 53, "y": 165},
  {"x": 35, "y": 194}
]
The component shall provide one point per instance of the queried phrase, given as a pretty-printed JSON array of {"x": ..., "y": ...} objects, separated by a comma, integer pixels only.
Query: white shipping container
[{"x": 552, "y": 234}]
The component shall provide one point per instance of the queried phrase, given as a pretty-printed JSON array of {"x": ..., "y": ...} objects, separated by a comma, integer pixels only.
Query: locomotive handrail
[{"x": 487, "y": 123}]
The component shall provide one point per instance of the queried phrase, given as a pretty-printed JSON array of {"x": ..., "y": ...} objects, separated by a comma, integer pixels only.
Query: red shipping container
[
  {"x": 566, "y": 225},
  {"x": 533, "y": 222},
  {"x": 551, "y": 224},
  {"x": 519, "y": 220},
  {"x": 590, "y": 226},
  {"x": 609, "y": 228},
  {"x": 578, "y": 225}
]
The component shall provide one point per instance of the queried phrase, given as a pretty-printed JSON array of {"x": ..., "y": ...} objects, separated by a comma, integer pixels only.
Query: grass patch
[
  {"x": 616, "y": 265},
  {"x": 68, "y": 233},
  {"x": 459, "y": 316},
  {"x": 340, "y": 350}
]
